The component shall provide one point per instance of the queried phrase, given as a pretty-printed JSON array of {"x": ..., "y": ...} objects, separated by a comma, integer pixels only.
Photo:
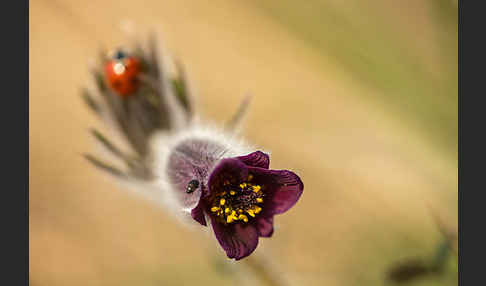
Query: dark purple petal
[
  {"x": 238, "y": 240},
  {"x": 256, "y": 159},
  {"x": 197, "y": 214},
  {"x": 227, "y": 169},
  {"x": 264, "y": 226},
  {"x": 283, "y": 189}
]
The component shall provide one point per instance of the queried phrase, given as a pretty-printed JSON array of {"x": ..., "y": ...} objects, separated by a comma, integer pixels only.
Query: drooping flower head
[
  {"x": 237, "y": 195},
  {"x": 249, "y": 195},
  {"x": 203, "y": 173}
]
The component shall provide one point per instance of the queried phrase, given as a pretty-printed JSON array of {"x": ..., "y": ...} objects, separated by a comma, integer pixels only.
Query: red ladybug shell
[{"x": 122, "y": 75}]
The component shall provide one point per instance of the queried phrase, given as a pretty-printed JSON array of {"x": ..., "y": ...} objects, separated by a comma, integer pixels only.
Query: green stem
[{"x": 262, "y": 271}]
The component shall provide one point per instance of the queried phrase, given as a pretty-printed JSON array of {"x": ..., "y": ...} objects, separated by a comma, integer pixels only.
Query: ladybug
[{"x": 122, "y": 73}]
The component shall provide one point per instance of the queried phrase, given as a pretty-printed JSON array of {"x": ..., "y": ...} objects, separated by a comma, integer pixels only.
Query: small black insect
[{"x": 192, "y": 186}]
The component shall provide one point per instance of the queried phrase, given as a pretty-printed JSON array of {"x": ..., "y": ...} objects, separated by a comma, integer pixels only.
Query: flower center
[{"x": 237, "y": 201}]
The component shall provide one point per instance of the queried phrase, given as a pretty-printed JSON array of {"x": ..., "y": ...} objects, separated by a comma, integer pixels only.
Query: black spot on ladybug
[
  {"x": 117, "y": 84},
  {"x": 119, "y": 55}
]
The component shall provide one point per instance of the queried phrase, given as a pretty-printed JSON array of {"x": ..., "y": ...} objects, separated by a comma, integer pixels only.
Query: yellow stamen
[
  {"x": 243, "y": 217},
  {"x": 225, "y": 212},
  {"x": 231, "y": 217}
]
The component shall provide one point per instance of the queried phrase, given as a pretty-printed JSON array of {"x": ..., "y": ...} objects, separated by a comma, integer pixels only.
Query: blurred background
[{"x": 357, "y": 97}]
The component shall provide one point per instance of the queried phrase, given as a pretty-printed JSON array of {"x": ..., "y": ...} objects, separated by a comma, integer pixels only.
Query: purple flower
[
  {"x": 239, "y": 195},
  {"x": 183, "y": 164}
]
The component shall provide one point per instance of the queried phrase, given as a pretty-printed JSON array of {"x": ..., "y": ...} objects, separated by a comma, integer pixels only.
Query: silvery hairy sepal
[{"x": 199, "y": 172}]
